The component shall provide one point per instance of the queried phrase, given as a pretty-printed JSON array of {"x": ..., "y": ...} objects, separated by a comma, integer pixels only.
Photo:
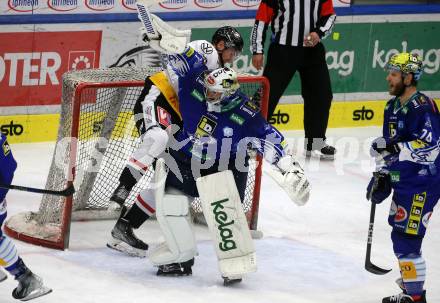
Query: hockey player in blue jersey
[
  {"x": 218, "y": 123},
  {"x": 30, "y": 286},
  {"x": 409, "y": 166},
  {"x": 159, "y": 98}
]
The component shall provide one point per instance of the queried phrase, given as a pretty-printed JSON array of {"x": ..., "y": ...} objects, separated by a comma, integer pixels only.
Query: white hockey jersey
[{"x": 203, "y": 47}]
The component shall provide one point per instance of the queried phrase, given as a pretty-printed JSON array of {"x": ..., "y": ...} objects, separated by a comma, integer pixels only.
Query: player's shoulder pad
[
  {"x": 208, "y": 51},
  {"x": 421, "y": 102},
  {"x": 390, "y": 103},
  {"x": 5, "y": 148},
  {"x": 249, "y": 107}
]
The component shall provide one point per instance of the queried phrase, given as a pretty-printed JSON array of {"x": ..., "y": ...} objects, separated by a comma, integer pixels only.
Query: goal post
[{"x": 96, "y": 136}]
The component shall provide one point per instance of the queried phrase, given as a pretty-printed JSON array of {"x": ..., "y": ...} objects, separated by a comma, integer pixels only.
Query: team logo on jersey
[
  {"x": 205, "y": 127},
  {"x": 228, "y": 132},
  {"x": 163, "y": 117},
  {"x": 392, "y": 129},
  {"x": 6, "y": 148},
  {"x": 401, "y": 214},
  {"x": 237, "y": 119},
  {"x": 206, "y": 48},
  {"x": 395, "y": 176},
  {"x": 415, "y": 216},
  {"x": 189, "y": 52},
  {"x": 197, "y": 95},
  {"x": 250, "y": 108}
]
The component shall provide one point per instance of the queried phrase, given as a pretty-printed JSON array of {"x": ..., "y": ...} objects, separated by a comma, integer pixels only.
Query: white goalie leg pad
[
  {"x": 228, "y": 225},
  {"x": 172, "y": 213}
]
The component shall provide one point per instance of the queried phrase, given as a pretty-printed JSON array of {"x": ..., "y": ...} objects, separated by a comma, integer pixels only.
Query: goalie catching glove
[
  {"x": 161, "y": 37},
  {"x": 290, "y": 176}
]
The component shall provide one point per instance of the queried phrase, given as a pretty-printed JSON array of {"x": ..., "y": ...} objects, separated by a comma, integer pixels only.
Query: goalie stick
[
  {"x": 70, "y": 190},
  {"x": 368, "y": 265}
]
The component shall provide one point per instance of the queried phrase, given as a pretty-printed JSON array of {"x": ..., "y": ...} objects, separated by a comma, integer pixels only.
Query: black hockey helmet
[{"x": 231, "y": 36}]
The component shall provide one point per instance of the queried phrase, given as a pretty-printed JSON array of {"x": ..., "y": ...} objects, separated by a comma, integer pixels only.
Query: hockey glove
[
  {"x": 379, "y": 187},
  {"x": 290, "y": 176},
  {"x": 380, "y": 146}
]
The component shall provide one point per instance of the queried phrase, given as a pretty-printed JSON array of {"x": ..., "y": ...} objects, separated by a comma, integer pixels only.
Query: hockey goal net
[{"x": 96, "y": 136}]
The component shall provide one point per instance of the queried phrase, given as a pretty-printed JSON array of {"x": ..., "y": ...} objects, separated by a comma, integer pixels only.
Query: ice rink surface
[{"x": 308, "y": 254}]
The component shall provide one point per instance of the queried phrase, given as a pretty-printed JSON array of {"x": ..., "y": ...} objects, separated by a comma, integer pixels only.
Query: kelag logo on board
[
  {"x": 246, "y": 3},
  {"x": 130, "y": 4},
  {"x": 208, "y": 3},
  {"x": 100, "y": 5},
  {"x": 23, "y": 5},
  {"x": 62, "y": 5},
  {"x": 173, "y": 4}
]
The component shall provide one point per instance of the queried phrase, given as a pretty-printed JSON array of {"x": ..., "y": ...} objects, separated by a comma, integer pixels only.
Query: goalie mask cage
[{"x": 96, "y": 136}]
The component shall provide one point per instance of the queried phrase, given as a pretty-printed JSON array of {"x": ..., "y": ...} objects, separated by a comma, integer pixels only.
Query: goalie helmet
[
  {"x": 406, "y": 63},
  {"x": 220, "y": 84},
  {"x": 230, "y": 36}
]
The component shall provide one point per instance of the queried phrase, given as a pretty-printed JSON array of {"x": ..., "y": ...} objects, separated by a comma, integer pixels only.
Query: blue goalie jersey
[
  {"x": 416, "y": 125},
  {"x": 218, "y": 136}
]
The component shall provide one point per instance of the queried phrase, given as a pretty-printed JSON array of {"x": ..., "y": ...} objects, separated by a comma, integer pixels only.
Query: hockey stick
[
  {"x": 368, "y": 265},
  {"x": 65, "y": 193}
]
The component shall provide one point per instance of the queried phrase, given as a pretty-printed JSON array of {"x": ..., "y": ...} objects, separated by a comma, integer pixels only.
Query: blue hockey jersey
[
  {"x": 219, "y": 136},
  {"x": 416, "y": 125},
  {"x": 7, "y": 166}
]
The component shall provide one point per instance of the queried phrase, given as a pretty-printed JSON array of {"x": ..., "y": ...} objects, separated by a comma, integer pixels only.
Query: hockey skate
[
  {"x": 325, "y": 153},
  {"x": 3, "y": 276},
  {"x": 176, "y": 269},
  {"x": 404, "y": 298},
  {"x": 118, "y": 197},
  {"x": 124, "y": 240},
  {"x": 228, "y": 281},
  {"x": 30, "y": 286}
]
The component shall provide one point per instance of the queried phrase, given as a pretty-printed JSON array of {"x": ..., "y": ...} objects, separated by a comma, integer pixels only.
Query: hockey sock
[
  {"x": 413, "y": 270},
  {"x": 136, "y": 216},
  {"x": 130, "y": 177},
  {"x": 9, "y": 258}
]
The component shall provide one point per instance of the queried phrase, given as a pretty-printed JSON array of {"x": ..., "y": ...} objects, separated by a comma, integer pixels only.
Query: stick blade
[{"x": 370, "y": 267}]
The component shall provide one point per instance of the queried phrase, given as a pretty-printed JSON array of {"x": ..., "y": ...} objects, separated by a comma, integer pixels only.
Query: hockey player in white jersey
[
  {"x": 30, "y": 286},
  {"x": 156, "y": 108}
]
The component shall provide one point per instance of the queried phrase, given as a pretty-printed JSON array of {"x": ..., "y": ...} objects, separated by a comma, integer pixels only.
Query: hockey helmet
[
  {"x": 406, "y": 63},
  {"x": 230, "y": 36},
  {"x": 219, "y": 85}
]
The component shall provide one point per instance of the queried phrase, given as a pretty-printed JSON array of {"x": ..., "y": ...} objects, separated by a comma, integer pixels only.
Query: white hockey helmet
[{"x": 220, "y": 84}]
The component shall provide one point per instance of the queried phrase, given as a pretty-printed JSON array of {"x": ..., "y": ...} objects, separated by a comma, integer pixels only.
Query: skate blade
[
  {"x": 42, "y": 291},
  {"x": 318, "y": 155},
  {"x": 126, "y": 249}
]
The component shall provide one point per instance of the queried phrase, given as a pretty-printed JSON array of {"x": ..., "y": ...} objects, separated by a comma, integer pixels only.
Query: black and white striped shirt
[{"x": 291, "y": 21}]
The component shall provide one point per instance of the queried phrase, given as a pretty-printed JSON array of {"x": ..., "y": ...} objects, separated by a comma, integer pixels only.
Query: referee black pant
[{"x": 282, "y": 63}]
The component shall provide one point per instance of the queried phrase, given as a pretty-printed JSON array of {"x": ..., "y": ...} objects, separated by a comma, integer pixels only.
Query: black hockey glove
[
  {"x": 379, "y": 187},
  {"x": 382, "y": 147}
]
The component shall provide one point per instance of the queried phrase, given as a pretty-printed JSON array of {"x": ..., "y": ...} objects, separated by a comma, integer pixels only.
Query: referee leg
[
  {"x": 317, "y": 94},
  {"x": 279, "y": 70}
]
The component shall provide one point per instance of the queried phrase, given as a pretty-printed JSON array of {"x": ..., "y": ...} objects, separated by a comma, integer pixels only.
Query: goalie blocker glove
[{"x": 290, "y": 176}]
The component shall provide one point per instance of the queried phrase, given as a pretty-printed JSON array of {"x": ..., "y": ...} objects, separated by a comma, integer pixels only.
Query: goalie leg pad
[
  {"x": 174, "y": 220},
  {"x": 227, "y": 223},
  {"x": 172, "y": 213}
]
